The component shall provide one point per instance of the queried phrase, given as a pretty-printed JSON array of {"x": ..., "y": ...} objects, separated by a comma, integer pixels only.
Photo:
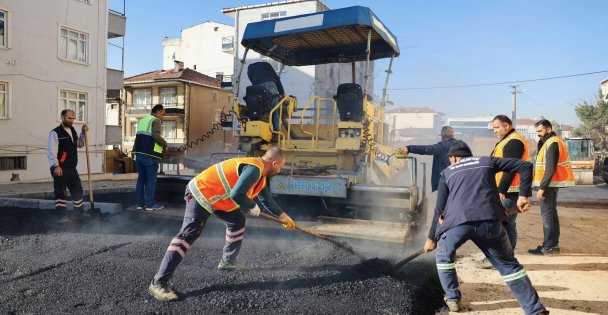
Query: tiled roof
[
  {"x": 174, "y": 75},
  {"x": 525, "y": 121},
  {"x": 412, "y": 110}
]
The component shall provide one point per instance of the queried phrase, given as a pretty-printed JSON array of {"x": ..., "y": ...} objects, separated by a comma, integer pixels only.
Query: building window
[
  {"x": 3, "y": 29},
  {"x": 168, "y": 96},
  {"x": 215, "y": 96},
  {"x": 8, "y": 163},
  {"x": 86, "y": 1},
  {"x": 3, "y": 100},
  {"x": 169, "y": 129},
  {"x": 76, "y": 101},
  {"x": 228, "y": 42},
  {"x": 73, "y": 45},
  {"x": 273, "y": 15},
  {"x": 142, "y": 97},
  {"x": 133, "y": 130}
]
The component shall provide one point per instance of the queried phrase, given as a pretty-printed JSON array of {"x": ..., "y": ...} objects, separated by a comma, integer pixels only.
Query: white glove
[{"x": 255, "y": 211}]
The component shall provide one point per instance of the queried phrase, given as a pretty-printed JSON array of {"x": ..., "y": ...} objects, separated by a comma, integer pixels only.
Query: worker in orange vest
[
  {"x": 511, "y": 145},
  {"x": 552, "y": 171},
  {"x": 222, "y": 189}
]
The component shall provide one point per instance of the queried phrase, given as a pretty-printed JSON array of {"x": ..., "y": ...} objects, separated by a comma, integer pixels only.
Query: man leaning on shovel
[
  {"x": 225, "y": 189},
  {"x": 63, "y": 158}
]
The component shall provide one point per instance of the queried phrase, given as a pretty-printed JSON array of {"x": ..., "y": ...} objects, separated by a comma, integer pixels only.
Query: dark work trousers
[
  {"x": 548, "y": 211},
  {"x": 71, "y": 181},
  {"x": 511, "y": 226},
  {"x": 195, "y": 219},
  {"x": 491, "y": 238}
]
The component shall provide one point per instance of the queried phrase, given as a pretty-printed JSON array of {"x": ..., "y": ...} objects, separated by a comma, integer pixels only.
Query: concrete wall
[
  {"x": 35, "y": 74},
  {"x": 200, "y": 48}
]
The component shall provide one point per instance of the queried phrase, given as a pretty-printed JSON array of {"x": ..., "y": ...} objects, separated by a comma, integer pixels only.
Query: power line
[{"x": 497, "y": 83}]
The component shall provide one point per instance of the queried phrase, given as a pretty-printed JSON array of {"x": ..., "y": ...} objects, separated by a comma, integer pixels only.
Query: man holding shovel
[
  {"x": 223, "y": 189},
  {"x": 469, "y": 208},
  {"x": 63, "y": 158}
]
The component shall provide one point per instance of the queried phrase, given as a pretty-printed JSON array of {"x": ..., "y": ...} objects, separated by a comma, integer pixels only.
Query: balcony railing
[{"x": 177, "y": 108}]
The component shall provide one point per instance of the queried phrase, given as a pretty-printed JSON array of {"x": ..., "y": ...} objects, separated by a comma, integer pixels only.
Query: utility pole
[{"x": 514, "y": 109}]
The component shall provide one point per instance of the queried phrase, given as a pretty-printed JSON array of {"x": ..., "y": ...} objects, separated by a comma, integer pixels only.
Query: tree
[{"x": 594, "y": 121}]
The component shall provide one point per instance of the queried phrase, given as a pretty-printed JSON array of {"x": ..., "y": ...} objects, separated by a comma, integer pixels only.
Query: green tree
[{"x": 594, "y": 121}]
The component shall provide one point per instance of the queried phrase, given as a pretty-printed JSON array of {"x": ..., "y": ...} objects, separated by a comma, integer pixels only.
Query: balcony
[
  {"x": 116, "y": 24},
  {"x": 114, "y": 79},
  {"x": 170, "y": 109}
]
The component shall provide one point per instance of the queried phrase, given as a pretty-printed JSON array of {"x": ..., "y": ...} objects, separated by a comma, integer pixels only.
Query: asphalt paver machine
[{"x": 339, "y": 162}]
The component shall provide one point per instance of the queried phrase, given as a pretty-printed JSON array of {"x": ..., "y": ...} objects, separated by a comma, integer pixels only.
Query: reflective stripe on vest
[
  {"x": 563, "y": 176},
  {"x": 211, "y": 188},
  {"x": 499, "y": 152},
  {"x": 144, "y": 142}
]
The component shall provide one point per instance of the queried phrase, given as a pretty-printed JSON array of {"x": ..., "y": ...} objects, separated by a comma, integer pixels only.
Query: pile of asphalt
[{"x": 104, "y": 265}]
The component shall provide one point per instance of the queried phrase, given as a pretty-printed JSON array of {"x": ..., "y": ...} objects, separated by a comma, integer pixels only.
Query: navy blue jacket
[
  {"x": 468, "y": 192},
  {"x": 439, "y": 151}
]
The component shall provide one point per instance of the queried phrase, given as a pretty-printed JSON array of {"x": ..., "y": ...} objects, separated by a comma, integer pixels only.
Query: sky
[{"x": 444, "y": 44}]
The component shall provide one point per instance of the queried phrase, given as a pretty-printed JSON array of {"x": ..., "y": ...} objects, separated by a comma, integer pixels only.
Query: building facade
[
  {"x": 409, "y": 124},
  {"x": 194, "y": 104},
  {"x": 207, "y": 48},
  {"x": 53, "y": 57}
]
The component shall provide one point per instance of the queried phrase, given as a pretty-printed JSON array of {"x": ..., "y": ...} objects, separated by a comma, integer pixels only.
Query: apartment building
[
  {"x": 207, "y": 48},
  {"x": 193, "y": 104},
  {"x": 53, "y": 57}
]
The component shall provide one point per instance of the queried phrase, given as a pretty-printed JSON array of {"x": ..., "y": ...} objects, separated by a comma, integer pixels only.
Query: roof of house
[
  {"x": 231, "y": 10},
  {"x": 525, "y": 121},
  {"x": 186, "y": 75},
  {"x": 413, "y": 110}
]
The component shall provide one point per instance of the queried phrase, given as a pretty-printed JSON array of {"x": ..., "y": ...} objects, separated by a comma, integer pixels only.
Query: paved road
[{"x": 104, "y": 266}]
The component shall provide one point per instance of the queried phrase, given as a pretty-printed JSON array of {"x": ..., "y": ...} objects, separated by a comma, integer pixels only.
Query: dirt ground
[{"x": 573, "y": 283}]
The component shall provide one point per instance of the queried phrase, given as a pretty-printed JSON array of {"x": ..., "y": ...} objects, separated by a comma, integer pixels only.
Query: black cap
[{"x": 460, "y": 149}]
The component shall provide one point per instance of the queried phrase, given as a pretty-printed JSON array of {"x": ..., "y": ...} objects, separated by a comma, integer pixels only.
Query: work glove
[
  {"x": 287, "y": 221},
  {"x": 255, "y": 211}
]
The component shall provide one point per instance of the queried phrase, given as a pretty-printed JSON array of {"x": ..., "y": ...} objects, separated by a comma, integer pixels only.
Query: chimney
[{"x": 178, "y": 65}]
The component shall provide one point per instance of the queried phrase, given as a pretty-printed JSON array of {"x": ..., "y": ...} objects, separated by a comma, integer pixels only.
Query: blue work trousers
[
  {"x": 147, "y": 171},
  {"x": 491, "y": 238},
  {"x": 511, "y": 227}
]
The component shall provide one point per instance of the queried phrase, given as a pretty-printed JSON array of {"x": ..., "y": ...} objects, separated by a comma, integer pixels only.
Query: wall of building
[
  {"x": 200, "y": 48},
  {"x": 35, "y": 74},
  {"x": 206, "y": 105}
]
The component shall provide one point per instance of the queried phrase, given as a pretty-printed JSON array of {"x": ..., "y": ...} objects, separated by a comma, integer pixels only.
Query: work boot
[
  {"x": 453, "y": 306},
  {"x": 162, "y": 291},
  {"x": 483, "y": 264},
  {"x": 155, "y": 206},
  {"x": 545, "y": 251},
  {"x": 231, "y": 266}
]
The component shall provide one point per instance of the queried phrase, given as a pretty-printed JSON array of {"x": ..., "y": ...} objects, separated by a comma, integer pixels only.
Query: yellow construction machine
[{"x": 340, "y": 167}]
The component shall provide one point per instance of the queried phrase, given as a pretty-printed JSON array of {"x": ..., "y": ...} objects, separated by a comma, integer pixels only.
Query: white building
[
  {"x": 604, "y": 88},
  {"x": 408, "y": 123},
  {"x": 53, "y": 57},
  {"x": 207, "y": 48},
  {"x": 303, "y": 82}
]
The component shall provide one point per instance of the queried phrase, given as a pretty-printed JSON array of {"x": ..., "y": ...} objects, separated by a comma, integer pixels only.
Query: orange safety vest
[
  {"x": 563, "y": 176},
  {"x": 499, "y": 152},
  {"x": 211, "y": 188}
]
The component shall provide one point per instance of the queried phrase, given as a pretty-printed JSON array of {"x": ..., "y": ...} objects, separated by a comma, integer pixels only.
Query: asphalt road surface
[{"x": 104, "y": 265}]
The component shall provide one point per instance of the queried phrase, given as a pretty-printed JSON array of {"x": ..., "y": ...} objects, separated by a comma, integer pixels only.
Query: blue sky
[{"x": 443, "y": 43}]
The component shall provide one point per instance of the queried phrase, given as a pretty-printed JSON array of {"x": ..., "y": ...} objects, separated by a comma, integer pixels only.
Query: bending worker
[
  {"x": 224, "y": 189},
  {"x": 511, "y": 145},
  {"x": 469, "y": 208}
]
